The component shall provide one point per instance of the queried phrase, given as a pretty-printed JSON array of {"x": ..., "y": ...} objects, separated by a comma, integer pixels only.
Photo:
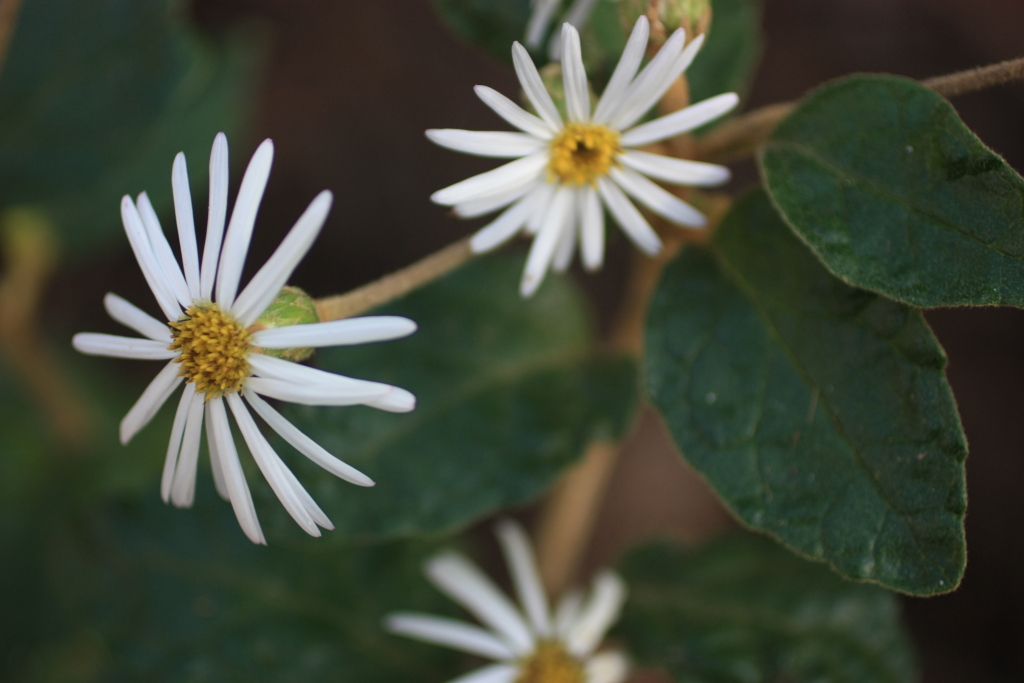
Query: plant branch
[{"x": 8, "y": 18}]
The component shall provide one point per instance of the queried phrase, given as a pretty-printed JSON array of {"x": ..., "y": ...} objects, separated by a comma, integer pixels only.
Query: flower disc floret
[
  {"x": 550, "y": 663},
  {"x": 213, "y": 350},
  {"x": 583, "y": 152}
]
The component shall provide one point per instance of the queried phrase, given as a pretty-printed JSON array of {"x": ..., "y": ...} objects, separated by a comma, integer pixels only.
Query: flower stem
[{"x": 8, "y": 18}]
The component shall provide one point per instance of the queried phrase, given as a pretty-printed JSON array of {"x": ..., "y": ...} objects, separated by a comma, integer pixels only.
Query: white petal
[
  {"x": 607, "y": 667},
  {"x": 493, "y": 202},
  {"x": 311, "y": 383},
  {"x": 154, "y": 396},
  {"x": 243, "y": 218},
  {"x": 540, "y": 18},
  {"x": 486, "y": 143},
  {"x": 495, "y": 673},
  {"x": 216, "y": 466},
  {"x": 568, "y": 611},
  {"x": 513, "y": 113},
  {"x": 174, "y": 445},
  {"x": 234, "y": 478},
  {"x": 215, "y": 218},
  {"x": 591, "y": 230},
  {"x": 579, "y": 12},
  {"x": 629, "y": 62},
  {"x": 464, "y": 583},
  {"x": 134, "y": 317},
  {"x": 371, "y": 328},
  {"x": 525, "y": 576},
  {"x": 266, "y": 284},
  {"x": 137, "y": 238},
  {"x": 534, "y": 88},
  {"x": 270, "y": 465},
  {"x": 543, "y": 249},
  {"x": 509, "y": 176},
  {"x": 545, "y": 193},
  {"x": 574, "y": 76},
  {"x": 629, "y": 218},
  {"x": 448, "y": 633},
  {"x": 651, "y": 96},
  {"x": 650, "y": 78},
  {"x": 567, "y": 242},
  {"x": 658, "y": 199},
  {"x": 186, "y": 224},
  {"x": 162, "y": 251},
  {"x": 598, "y": 615},
  {"x": 303, "y": 444},
  {"x": 397, "y": 400},
  {"x": 676, "y": 171},
  {"x": 96, "y": 344},
  {"x": 183, "y": 488},
  {"x": 682, "y": 121},
  {"x": 502, "y": 228}
]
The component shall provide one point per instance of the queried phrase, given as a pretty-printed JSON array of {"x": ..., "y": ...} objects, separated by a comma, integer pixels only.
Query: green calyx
[
  {"x": 692, "y": 15},
  {"x": 291, "y": 307}
]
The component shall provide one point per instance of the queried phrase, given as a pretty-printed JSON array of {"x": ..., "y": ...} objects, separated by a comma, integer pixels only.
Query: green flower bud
[
  {"x": 291, "y": 307},
  {"x": 692, "y": 15}
]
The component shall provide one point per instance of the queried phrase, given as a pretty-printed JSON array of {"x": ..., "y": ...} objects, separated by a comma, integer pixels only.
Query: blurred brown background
[{"x": 349, "y": 88}]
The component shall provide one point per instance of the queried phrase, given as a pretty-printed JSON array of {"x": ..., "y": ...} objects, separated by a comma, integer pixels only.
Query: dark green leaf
[
  {"x": 729, "y": 57},
  {"x": 509, "y": 393},
  {"x": 886, "y": 184},
  {"x": 820, "y": 413},
  {"x": 742, "y": 610},
  {"x": 493, "y": 26}
]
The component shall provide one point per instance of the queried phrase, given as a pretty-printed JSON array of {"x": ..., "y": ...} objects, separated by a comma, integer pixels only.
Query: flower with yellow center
[
  {"x": 567, "y": 172},
  {"x": 218, "y": 349},
  {"x": 530, "y": 644}
]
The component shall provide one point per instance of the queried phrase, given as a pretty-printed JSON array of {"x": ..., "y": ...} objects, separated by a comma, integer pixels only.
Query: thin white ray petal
[
  {"x": 649, "y": 78},
  {"x": 307, "y": 500},
  {"x": 496, "y": 144},
  {"x": 658, "y": 90},
  {"x": 303, "y": 444},
  {"x": 525, "y": 576},
  {"x": 568, "y": 611},
  {"x": 579, "y": 12},
  {"x": 607, "y": 667},
  {"x": 591, "y": 230},
  {"x": 682, "y": 121},
  {"x": 511, "y": 175},
  {"x": 574, "y": 75},
  {"x": 217, "y": 213},
  {"x": 174, "y": 445},
  {"x": 658, "y": 199},
  {"x": 629, "y": 62},
  {"x": 495, "y": 673},
  {"x": 234, "y": 478},
  {"x": 162, "y": 250},
  {"x": 457, "y": 635},
  {"x": 154, "y": 396},
  {"x": 540, "y": 18},
  {"x": 545, "y": 194},
  {"x": 397, "y": 400},
  {"x": 502, "y": 228},
  {"x": 266, "y": 284},
  {"x": 269, "y": 464},
  {"x": 139, "y": 241},
  {"x": 567, "y": 242},
  {"x": 317, "y": 382},
  {"x": 514, "y": 114},
  {"x": 629, "y": 218},
  {"x": 464, "y": 583},
  {"x": 310, "y": 396},
  {"x": 216, "y": 466},
  {"x": 597, "y": 616},
  {"x": 543, "y": 248},
  {"x": 183, "y": 488},
  {"x": 364, "y": 330},
  {"x": 676, "y": 171},
  {"x": 534, "y": 88},
  {"x": 243, "y": 219},
  {"x": 186, "y": 224},
  {"x": 495, "y": 201},
  {"x": 134, "y": 317},
  {"x": 95, "y": 344}
]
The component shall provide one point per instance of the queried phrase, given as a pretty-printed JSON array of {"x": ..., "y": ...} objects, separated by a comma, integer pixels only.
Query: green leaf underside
[
  {"x": 493, "y": 26},
  {"x": 886, "y": 184},
  {"x": 743, "y": 610},
  {"x": 819, "y": 413},
  {"x": 730, "y": 54},
  {"x": 509, "y": 393},
  {"x": 97, "y": 98}
]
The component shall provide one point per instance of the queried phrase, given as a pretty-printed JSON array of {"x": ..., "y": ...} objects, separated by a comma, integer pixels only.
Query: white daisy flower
[
  {"x": 565, "y": 170},
  {"x": 540, "y": 19},
  {"x": 213, "y": 348},
  {"x": 530, "y": 644}
]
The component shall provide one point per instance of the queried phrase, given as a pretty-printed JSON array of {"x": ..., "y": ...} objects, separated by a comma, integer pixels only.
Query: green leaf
[
  {"x": 818, "y": 412},
  {"x": 742, "y": 610},
  {"x": 97, "y": 98},
  {"x": 509, "y": 393},
  {"x": 493, "y": 26},
  {"x": 890, "y": 189},
  {"x": 729, "y": 57}
]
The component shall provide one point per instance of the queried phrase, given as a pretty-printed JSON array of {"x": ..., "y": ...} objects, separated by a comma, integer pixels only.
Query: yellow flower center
[
  {"x": 214, "y": 349},
  {"x": 582, "y": 153},
  {"x": 550, "y": 663}
]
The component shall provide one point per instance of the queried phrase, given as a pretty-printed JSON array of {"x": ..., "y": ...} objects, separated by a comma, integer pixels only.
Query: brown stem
[{"x": 8, "y": 18}]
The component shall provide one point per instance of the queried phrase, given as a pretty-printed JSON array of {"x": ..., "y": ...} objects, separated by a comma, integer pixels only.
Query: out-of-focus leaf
[
  {"x": 493, "y": 26},
  {"x": 819, "y": 413},
  {"x": 728, "y": 60},
  {"x": 890, "y": 189},
  {"x": 743, "y": 610}
]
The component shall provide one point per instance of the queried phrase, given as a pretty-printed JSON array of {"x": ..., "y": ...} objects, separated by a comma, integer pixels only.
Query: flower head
[
  {"x": 565, "y": 170},
  {"x": 530, "y": 643},
  {"x": 541, "y": 16},
  {"x": 215, "y": 343}
]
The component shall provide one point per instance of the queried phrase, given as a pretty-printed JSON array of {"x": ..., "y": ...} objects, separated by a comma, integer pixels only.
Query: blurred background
[{"x": 346, "y": 89}]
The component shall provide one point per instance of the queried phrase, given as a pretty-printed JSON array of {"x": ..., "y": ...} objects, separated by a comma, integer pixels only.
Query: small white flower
[
  {"x": 210, "y": 347},
  {"x": 540, "y": 19},
  {"x": 565, "y": 170},
  {"x": 531, "y": 644}
]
